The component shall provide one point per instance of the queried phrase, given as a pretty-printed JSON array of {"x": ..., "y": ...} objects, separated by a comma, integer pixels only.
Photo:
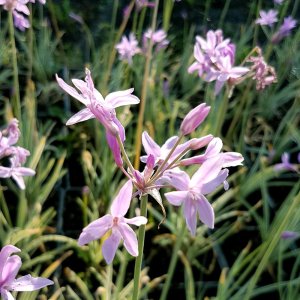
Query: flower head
[
  {"x": 285, "y": 29},
  {"x": 127, "y": 48},
  {"x": 9, "y": 268},
  {"x": 159, "y": 39},
  {"x": 117, "y": 224},
  {"x": 267, "y": 17}
]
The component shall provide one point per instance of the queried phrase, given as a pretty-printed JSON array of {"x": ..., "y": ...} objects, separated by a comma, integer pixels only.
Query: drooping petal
[
  {"x": 208, "y": 171},
  {"x": 129, "y": 237},
  {"x": 95, "y": 230},
  {"x": 110, "y": 246},
  {"x": 190, "y": 213},
  {"x": 121, "y": 98},
  {"x": 206, "y": 212},
  {"x": 177, "y": 197},
  {"x": 6, "y": 251},
  {"x": 210, "y": 186},
  {"x": 137, "y": 221},
  {"x": 121, "y": 203},
  {"x": 70, "y": 90},
  {"x": 11, "y": 269},
  {"x": 28, "y": 283},
  {"x": 149, "y": 145},
  {"x": 82, "y": 115}
]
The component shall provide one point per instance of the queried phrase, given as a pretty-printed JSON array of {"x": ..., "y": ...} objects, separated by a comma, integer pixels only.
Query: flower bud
[{"x": 194, "y": 118}]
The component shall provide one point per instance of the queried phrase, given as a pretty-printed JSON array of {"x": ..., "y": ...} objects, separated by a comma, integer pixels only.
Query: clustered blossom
[
  {"x": 16, "y": 154},
  {"x": 162, "y": 168},
  {"x": 9, "y": 268},
  {"x": 128, "y": 48},
  {"x": 215, "y": 60},
  {"x": 262, "y": 72},
  {"x": 19, "y": 11},
  {"x": 267, "y": 17}
]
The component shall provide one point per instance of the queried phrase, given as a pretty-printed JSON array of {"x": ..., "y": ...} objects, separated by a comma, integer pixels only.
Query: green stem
[
  {"x": 173, "y": 263},
  {"x": 125, "y": 156},
  {"x": 138, "y": 261},
  {"x": 138, "y": 143},
  {"x": 16, "y": 103}
]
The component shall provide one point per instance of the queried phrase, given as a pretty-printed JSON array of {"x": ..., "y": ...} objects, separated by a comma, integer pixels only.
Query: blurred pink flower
[
  {"x": 191, "y": 192},
  {"x": 117, "y": 224},
  {"x": 289, "y": 235},
  {"x": 9, "y": 268},
  {"x": 127, "y": 48},
  {"x": 267, "y": 17},
  {"x": 159, "y": 39},
  {"x": 144, "y": 3},
  {"x": 101, "y": 109},
  {"x": 285, "y": 164}
]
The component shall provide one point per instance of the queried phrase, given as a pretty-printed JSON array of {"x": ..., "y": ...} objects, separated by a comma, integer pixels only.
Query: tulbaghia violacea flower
[
  {"x": 289, "y": 235},
  {"x": 285, "y": 164},
  {"x": 101, "y": 109},
  {"x": 117, "y": 224},
  {"x": 191, "y": 192},
  {"x": 127, "y": 48},
  {"x": 215, "y": 60},
  {"x": 284, "y": 30},
  {"x": 267, "y": 17},
  {"x": 9, "y": 268},
  {"x": 159, "y": 39}
]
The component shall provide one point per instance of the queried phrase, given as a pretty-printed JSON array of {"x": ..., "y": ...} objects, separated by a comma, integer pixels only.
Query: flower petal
[
  {"x": 206, "y": 212},
  {"x": 210, "y": 186},
  {"x": 177, "y": 197},
  {"x": 130, "y": 240},
  {"x": 28, "y": 283},
  {"x": 137, "y": 221},
  {"x": 6, "y": 295},
  {"x": 10, "y": 269},
  {"x": 82, "y": 115},
  {"x": 122, "y": 201},
  {"x": 6, "y": 251},
  {"x": 150, "y": 146},
  {"x": 190, "y": 213},
  {"x": 121, "y": 98},
  {"x": 110, "y": 246}
]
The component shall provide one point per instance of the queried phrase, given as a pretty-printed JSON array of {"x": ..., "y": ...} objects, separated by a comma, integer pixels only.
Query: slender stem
[
  {"x": 138, "y": 143},
  {"x": 125, "y": 156},
  {"x": 138, "y": 261},
  {"x": 173, "y": 263},
  {"x": 16, "y": 103}
]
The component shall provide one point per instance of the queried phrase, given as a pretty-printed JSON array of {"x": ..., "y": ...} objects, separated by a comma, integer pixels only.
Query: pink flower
[
  {"x": 20, "y": 21},
  {"x": 9, "y": 268},
  {"x": 101, "y": 109},
  {"x": 117, "y": 224},
  {"x": 159, "y": 39},
  {"x": 194, "y": 118},
  {"x": 191, "y": 192},
  {"x": 127, "y": 48},
  {"x": 267, "y": 17},
  {"x": 289, "y": 235},
  {"x": 285, "y": 164}
]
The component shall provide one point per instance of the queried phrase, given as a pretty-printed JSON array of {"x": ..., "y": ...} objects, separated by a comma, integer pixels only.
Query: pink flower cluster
[
  {"x": 17, "y": 155},
  {"x": 19, "y": 9},
  {"x": 9, "y": 268},
  {"x": 128, "y": 47},
  {"x": 162, "y": 168},
  {"x": 215, "y": 60}
]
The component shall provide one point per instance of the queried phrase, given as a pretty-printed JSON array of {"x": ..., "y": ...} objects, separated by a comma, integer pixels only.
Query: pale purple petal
[
  {"x": 114, "y": 147},
  {"x": 177, "y": 178},
  {"x": 19, "y": 180},
  {"x": 213, "y": 184},
  {"x": 82, "y": 115},
  {"x": 6, "y": 295},
  {"x": 71, "y": 91},
  {"x": 121, "y": 98},
  {"x": 110, "y": 246},
  {"x": 10, "y": 269},
  {"x": 6, "y": 251},
  {"x": 95, "y": 230},
  {"x": 149, "y": 145},
  {"x": 232, "y": 159},
  {"x": 206, "y": 212},
  {"x": 190, "y": 213},
  {"x": 137, "y": 221},
  {"x": 208, "y": 171},
  {"x": 177, "y": 197},
  {"x": 129, "y": 237},
  {"x": 28, "y": 283},
  {"x": 22, "y": 171},
  {"x": 121, "y": 203},
  {"x": 5, "y": 172}
]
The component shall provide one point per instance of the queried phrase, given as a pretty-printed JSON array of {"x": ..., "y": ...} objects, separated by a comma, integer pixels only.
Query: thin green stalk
[
  {"x": 173, "y": 263},
  {"x": 138, "y": 142},
  {"x": 125, "y": 154},
  {"x": 16, "y": 102},
  {"x": 138, "y": 261}
]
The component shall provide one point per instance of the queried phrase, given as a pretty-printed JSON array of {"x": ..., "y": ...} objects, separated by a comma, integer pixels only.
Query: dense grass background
[{"x": 76, "y": 178}]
